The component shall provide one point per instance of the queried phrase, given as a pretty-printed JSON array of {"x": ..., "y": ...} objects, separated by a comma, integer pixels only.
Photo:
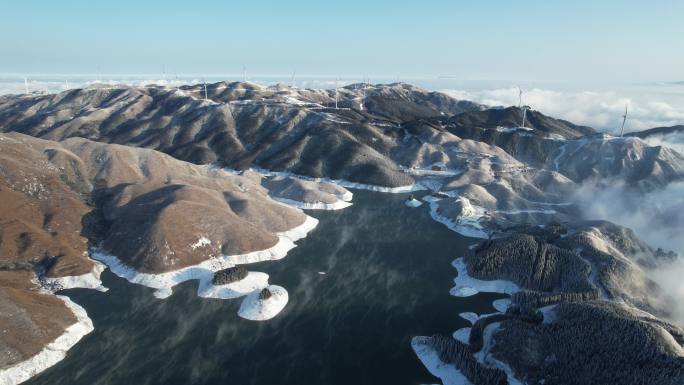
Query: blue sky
[{"x": 527, "y": 40}]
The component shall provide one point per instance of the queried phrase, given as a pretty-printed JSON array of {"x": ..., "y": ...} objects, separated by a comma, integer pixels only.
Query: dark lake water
[{"x": 388, "y": 279}]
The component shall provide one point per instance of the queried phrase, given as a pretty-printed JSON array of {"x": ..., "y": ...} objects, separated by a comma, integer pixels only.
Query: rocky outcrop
[
  {"x": 265, "y": 294},
  {"x": 229, "y": 275}
]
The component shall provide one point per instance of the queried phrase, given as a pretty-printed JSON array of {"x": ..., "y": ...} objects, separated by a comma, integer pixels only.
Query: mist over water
[{"x": 388, "y": 275}]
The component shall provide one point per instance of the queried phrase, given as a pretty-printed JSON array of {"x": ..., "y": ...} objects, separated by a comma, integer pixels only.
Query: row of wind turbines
[
  {"x": 522, "y": 107},
  {"x": 365, "y": 82}
]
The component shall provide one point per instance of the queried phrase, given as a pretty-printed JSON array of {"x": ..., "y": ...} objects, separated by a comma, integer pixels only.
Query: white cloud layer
[
  {"x": 657, "y": 216},
  {"x": 674, "y": 141},
  {"x": 658, "y": 106},
  {"x": 50, "y": 85}
]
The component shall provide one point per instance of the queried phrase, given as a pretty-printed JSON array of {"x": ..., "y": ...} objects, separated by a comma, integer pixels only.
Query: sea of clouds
[
  {"x": 657, "y": 217},
  {"x": 649, "y": 106}
]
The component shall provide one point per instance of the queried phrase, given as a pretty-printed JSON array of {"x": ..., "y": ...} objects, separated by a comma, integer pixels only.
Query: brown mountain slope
[{"x": 154, "y": 212}]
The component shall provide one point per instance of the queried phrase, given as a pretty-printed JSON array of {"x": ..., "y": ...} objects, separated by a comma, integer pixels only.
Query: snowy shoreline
[
  {"x": 53, "y": 352},
  {"x": 204, "y": 271},
  {"x": 467, "y": 286},
  {"x": 486, "y": 358},
  {"x": 340, "y": 204},
  {"x": 430, "y": 359},
  {"x": 254, "y": 280},
  {"x": 413, "y": 203},
  {"x": 250, "y": 286},
  {"x": 89, "y": 280},
  {"x": 340, "y": 182}
]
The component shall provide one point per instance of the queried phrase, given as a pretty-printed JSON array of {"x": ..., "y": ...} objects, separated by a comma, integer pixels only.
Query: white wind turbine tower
[
  {"x": 206, "y": 95},
  {"x": 26, "y": 84},
  {"x": 624, "y": 119},
  {"x": 294, "y": 74},
  {"x": 363, "y": 94},
  {"x": 523, "y": 108},
  {"x": 337, "y": 81}
]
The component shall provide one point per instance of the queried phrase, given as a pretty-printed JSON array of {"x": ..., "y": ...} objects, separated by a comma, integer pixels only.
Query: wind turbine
[
  {"x": 520, "y": 105},
  {"x": 294, "y": 74},
  {"x": 336, "y": 94},
  {"x": 363, "y": 93},
  {"x": 26, "y": 84},
  {"x": 206, "y": 95},
  {"x": 624, "y": 119}
]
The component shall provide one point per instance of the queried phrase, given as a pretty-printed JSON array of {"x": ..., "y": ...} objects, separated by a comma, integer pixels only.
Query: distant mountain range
[
  {"x": 167, "y": 184},
  {"x": 658, "y": 131},
  {"x": 365, "y": 140}
]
